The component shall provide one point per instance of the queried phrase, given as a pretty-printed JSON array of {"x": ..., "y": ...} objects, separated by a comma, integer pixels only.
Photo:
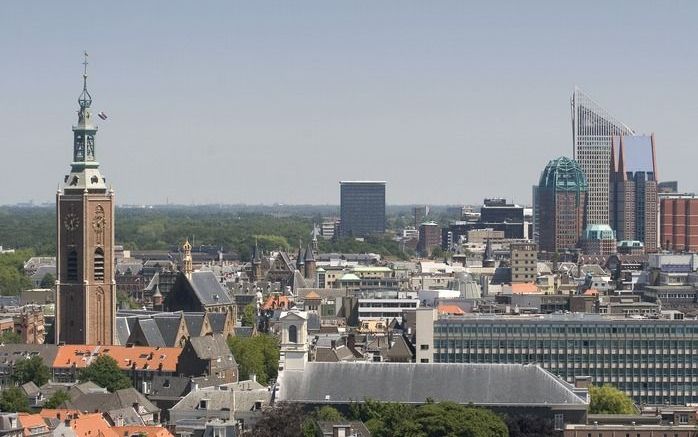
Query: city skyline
[{"x": 415, "y": 89}]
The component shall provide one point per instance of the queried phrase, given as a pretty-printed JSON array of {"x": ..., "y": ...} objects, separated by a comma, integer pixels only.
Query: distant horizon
[{"x": 276, "y": 102}]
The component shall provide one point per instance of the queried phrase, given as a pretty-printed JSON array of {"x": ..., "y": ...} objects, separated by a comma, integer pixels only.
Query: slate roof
[
  {"x": 480, "y": 384},
  {"x": 211, "y": 347},
  {"x": 30, "y": 389},
  {"x": 11, "y": 353},
  {"x": 242, "y": 395},
  {"x": 244, "y": 331},
  {"x": 217, "y": 321},
  {"x": 358, "y": 428},
  {"x": 194, "y": 321},
  {"x": 208, "y": 289},
  {"x": 169, "y": 327},
  {"x": 123, "y": 331},
  {"x": 151, "y": 332},
  {"x": 330, "y": 355},
  {"x": 111, "y": 401}
]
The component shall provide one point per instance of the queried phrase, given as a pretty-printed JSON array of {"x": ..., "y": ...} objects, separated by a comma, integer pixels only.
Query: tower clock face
[{"x": 71, "y": 222}]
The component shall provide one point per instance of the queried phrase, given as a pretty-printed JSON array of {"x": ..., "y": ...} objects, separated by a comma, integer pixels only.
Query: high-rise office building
[
  {"x": 592, "y": 130},
  {"x": 560, "y": 205},
  {"x": 633, "y": 204},
  {"x": 86, "y": 290},
  {"x": 362, "y": 208}
]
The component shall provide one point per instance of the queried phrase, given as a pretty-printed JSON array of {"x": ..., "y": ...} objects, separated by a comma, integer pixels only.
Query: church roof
[
  {"x": 208, "y": 289},
  {"x": 169, "y": 327}
]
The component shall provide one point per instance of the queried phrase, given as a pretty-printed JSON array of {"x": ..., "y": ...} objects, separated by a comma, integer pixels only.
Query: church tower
[{"x": 86, "y": 290}]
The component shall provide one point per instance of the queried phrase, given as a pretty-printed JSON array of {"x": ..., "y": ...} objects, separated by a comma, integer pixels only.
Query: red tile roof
[
  {"x": 451, "y": 309},
  {"x": 148, "y": 431},
  {"x": 524, "y": 288},
  {"x": 32, "y": 424},
  {"x": 144, "y": 357},
  {"x": 92, "y": 425}
]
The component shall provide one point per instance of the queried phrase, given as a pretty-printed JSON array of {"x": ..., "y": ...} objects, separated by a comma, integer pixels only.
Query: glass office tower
[{"x": 362, "y": 208}]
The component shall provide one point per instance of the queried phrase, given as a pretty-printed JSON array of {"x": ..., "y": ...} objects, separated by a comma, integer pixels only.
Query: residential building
[
  {"x": 362, "y": 208},
  {"x": 561, "y": 197},
  {"x": 679, "y": 222},
  {"x": 524, "y": 262},
  {"x": 633, "y": 189},
  {"x": 592, "y": 131},
  {"x": 85, "y": 286}
]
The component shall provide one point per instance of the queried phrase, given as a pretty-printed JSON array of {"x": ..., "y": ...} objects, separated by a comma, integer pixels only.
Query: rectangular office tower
[
  {"x": 592, "y": 130},
  {"x": 362, "y": 208}
]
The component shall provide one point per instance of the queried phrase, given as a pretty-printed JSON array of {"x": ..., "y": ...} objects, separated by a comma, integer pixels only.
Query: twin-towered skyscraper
[{"x": 617, "y": 185}]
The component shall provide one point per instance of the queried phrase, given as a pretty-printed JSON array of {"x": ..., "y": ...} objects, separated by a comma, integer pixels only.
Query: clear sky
[{"x": 263, "y": 102}]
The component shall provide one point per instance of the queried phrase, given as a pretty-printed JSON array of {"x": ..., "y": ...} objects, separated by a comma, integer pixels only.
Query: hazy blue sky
[{"x": 262, "y": 102}]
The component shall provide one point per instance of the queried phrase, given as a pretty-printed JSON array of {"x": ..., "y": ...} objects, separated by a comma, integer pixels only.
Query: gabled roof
[
  {"x": 169, "y": 328},
  {"x": 208, "y": 289},
  {"x": 480, "y": 384},
  {"x": 217, "y": 321},
  {"x": 195, "y": 323},
  {"x": 151, "y": 332},
  {"x": 212, "y": 347},
  {"x": 32, "y": 424},
  {"x": 91, "y": 425}
]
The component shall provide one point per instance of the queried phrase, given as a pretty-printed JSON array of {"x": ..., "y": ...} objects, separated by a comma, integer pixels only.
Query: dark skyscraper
[
  {"x": 362, "y": 205},
  {"x": 633, "y": 189},
  {"x": 561, "y": 200}
]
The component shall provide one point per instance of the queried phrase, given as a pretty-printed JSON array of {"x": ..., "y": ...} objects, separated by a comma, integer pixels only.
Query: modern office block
[
  {"x": 652, "y": 360},
  {"x": 362, "y": 208}
]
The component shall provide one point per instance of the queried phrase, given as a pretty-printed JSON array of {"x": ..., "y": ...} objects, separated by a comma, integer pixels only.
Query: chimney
[{"x": 582, "y": 381}]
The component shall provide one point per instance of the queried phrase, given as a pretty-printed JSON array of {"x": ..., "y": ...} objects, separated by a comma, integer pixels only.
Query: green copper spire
[{"x": 84, "y": 173}]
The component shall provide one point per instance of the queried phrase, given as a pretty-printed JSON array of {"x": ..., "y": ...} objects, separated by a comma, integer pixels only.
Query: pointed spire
[
  {"x": 256, "y": 257},
  {"x": 299, "y": 257},
  {"x": 309, "y": 255},
  {"x": 488, "y": 256},
  {"x": 85, "y": 99}
]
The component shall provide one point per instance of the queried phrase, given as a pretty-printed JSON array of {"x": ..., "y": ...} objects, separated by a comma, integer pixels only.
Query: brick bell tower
[{"x": 86, "y": 290}]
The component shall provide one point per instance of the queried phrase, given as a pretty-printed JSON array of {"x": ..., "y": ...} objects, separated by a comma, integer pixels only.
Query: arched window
[
  {"x": 292, "y": 334},
  {"x": 99, "y": 265},
  {"x": 72, "y": 266}
]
